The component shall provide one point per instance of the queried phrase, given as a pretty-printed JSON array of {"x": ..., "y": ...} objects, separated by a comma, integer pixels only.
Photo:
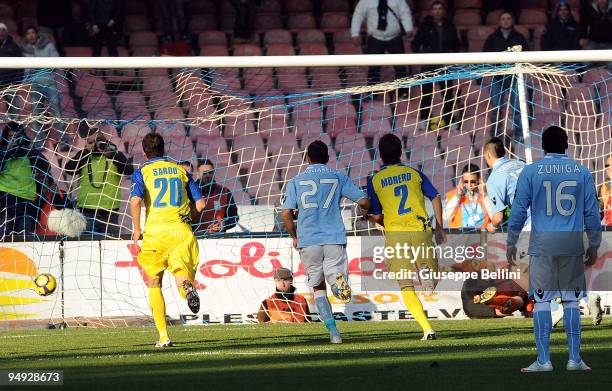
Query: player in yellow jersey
[
  {"x": 397, "y": 196},
  {"x": 168, "y": 241}
]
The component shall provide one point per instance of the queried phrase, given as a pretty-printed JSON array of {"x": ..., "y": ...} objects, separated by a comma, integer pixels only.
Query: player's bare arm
[
  {"x": 287, "y": 218},
  {"x": 135, "y": 207},
  {"x": 439, "y": 230}
]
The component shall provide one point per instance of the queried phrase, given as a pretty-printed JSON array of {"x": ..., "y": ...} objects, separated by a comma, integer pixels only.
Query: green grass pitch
[{"x": 470, "y": 355}]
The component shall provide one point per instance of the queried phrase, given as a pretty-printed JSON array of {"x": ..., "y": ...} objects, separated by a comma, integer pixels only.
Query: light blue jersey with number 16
[
  {"x": 563, "y": 201},
  {"x": 316, "y": 194}
]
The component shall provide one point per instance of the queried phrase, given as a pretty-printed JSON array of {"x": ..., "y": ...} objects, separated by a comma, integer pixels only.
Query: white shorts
[
  {"x": 322, "y": 262},
  {"x": 557, "y": 276}
]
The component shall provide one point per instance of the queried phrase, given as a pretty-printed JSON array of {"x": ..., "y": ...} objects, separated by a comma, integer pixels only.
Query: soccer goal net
[{"x": 71, "y": 138}]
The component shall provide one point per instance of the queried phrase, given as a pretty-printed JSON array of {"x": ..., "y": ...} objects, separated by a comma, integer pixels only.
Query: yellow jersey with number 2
[{"x": 398, "y": 192}]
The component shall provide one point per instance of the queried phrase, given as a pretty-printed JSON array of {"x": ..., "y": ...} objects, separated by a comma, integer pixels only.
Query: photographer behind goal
[{"x": 100, "y": 167}]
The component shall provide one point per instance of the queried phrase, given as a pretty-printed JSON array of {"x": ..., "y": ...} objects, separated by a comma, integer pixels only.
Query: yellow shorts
[
  {"x": 171, "y": 247},
  {"x": 421, "y": 242}
]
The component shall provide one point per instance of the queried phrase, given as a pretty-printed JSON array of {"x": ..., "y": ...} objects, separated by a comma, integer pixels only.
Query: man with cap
[{"x": 284, "y": 305}]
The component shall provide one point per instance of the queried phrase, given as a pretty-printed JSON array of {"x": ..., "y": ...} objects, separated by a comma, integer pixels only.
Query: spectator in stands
[
  {"x": 24, "y": 172},
  {"x": 170, "y": 9},
  {"x": 104, "y": 17},
  {"x": 512, "y": 6},
  {"x": 76, "y": 31},
  {"x": 100, "y": 167},
  {"x": 244, "y": 25},
  {"x": 44, "y": 87},
  {"x": 563, "y": 32},
  {"x": 8, "y": 48},
  {"x": 437, "y": 34},
  {"x": 384, "y": 20},
  {"x": 499, "y": 41},
  {"x": 600, "y": 26},
  {"x": 220, "y": 213},
  {"x": 605, "y": 193},
  {"x": 465, "y": 206},
  {"x": 284, "y": 306}
]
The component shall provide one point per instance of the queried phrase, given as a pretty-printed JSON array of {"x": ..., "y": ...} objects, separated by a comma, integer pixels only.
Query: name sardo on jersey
[{"x": 165, "y": 171}]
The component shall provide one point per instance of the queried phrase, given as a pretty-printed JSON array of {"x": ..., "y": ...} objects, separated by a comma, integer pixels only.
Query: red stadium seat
[
  {"x": 250, "y": 151},
  {"x": 313, "y": 49},
  {"x": 346, "y": 48},
  {"x": 273, "y": 122},
  {"x": 533, "y": 17},
  {"x": 291, "y": 79},
  {"x": 347, "y": 144},
  {"x": 212, "y": 37},
  {"x": 258, "y": 80},
  {"x": 214, "y": 50},
  {"x": 310, "y": 36},
  {"x": 343, "y": 36},
  {"x": 280, "y": 49},
  {"x": 277, "y": 36},
  {"x": 340, "y": 117},
  {"x": 78, "y": 51},
  {"x": 301, "y": 6},
  {"x": 473, "y": 4},
  {"x": 239, "y": 125},
  {"x": 209, "y": 144},
  {"x": 302, "y": 21},
  {"x": 283, "y": 144},
  {"x": 334, "y": 21},
  {"x": 467, "y": 17},
  {"x": 204, "y": 22},
  {"x": 268, "y": 21},
  {"x": 247, "y": 49}
]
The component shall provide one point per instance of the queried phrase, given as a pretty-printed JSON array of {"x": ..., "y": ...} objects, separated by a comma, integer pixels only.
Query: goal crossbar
[{"x": 511, "y": 57}]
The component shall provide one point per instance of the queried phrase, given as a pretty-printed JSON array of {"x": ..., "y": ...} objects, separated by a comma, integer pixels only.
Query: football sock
[
  {"x": 158, "y": 307},
  {"x": 412, "y": 302},
  {"x": 571, "y": 324},
  {"x": 325, "y": 312},
  {"x": 542, "y": 327}
]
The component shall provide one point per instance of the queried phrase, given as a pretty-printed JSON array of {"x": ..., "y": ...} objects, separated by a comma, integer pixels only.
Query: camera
[{"x": 104, "y": 146}]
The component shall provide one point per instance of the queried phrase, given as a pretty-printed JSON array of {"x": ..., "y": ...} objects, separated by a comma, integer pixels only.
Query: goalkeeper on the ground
[{"x": 168, "y": 241}]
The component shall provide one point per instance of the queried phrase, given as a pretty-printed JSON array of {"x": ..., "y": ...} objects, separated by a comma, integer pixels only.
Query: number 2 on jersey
[
  {"x": 176, "y": 191},
  {"x": 402, "y": 191}
]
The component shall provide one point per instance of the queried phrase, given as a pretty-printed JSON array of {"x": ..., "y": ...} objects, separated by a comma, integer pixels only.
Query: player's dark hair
[
  {"x": 205, "y": 161},
  {"x": 390, "y": 149},
  {"x": 472, "y": 169},
  {"x": 153, "y": 145},
  {"x": 317, "y": 152},
  {"x": 496, "y": 147},
  {"x": 505, "y": 12},
  {"x": 438, "y": 2},
  {"x": 554, "y": 140}
]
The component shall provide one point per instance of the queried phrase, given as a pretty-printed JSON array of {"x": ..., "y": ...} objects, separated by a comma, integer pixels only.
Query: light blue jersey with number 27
[
  {"x": 316, "y": 194},
  {"x": 563, "y": 201}
]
